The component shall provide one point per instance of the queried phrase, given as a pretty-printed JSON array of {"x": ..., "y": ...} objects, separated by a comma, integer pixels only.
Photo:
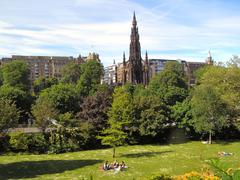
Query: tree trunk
[
  {"x": 113, "y": 151},
  {"x": 210, "y": 137}
]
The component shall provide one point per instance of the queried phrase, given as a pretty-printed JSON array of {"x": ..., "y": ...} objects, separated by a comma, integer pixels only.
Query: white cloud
[{"x": 77, "y": 26}]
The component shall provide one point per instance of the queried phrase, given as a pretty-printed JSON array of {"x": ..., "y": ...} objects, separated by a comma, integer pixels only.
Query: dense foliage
[
  {"x": 81, "y": 113},
  {"x": 9, "y": 115}
]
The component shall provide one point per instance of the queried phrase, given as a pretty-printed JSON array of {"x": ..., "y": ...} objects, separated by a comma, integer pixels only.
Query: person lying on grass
[{"x": 224, "y": 153}]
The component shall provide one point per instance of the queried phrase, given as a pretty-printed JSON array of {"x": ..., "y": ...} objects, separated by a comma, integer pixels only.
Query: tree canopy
[
  {"x": 209, "y": 110},
  {"x": 9, "y": 115},
  {"x": 43, "y": 83},
  {"x": 16, "y": 74},
  {"x": 63, "y": 96},
  {"x": 91, "y": 73},
  {"x": 170, "y": 85},
  {"x": 71, "y": 73},
  {"x": 44, "y": 110}
]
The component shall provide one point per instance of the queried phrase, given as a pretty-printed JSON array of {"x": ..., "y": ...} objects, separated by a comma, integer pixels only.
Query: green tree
[
  {"x": 44, "y": 110},
  {"x": 209, "y": 110},
  {"x": 226, "y": 83},
  {"x": 71, "y": 73},
  {"x": 63, "y": 96},
  {"x": 170, "y": 84},
  {"x": 22, "y": 99},
  {"x": 182, "y": 115},
  {"x": 16, "y": 74},
  {"x": 114, "y": 135},
  {"x": 122, "y": 105},
  {"x": 67, "y": 119},
  {"x": 91, "y": 72},
  {"x": 9, "y": 115},
  {"x": 175, "y": 67},
  {"x": 153, "y": 116},
  {"x": 43, "y": 83},
  {"x": 94, "y": 109},
  {"x": 119, "y": 117}
]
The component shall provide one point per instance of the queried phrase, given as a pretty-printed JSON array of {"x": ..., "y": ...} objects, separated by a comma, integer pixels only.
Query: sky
[{"x": 169, "y": 29}]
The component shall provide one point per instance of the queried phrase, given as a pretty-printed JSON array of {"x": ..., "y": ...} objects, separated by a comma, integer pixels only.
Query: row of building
[
  {"x": 113, "y": 73},
  {"x": 133, "y": 70},
  {"x": 48, "y": 66}
]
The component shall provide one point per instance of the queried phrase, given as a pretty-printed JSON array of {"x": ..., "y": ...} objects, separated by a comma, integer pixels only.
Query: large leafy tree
[
  {"x": 44, "y": 111},
  {"x": 170, "y": 84},
  {"x": 182, "y": 114},
  {"x": 9, "y": 115},
  {"x": 114, "y": 135},
  {"x": 122, "y": 105},
  {"x": 94, "y": 109},
  {"x": 21, "y": 98},
  {"x": 91, "y": 72},
  {"x": 175, "y": 67},
  {"x": 226, "y": 83},
  {"x": 43, "y": 83},
  {"x": 71, "y": 73},
  {"x": 16, "y": 74},
  {"x": 209, "y": 110},
  {"x": 153, "y": 116},
  {"x": 63, "y": 96}
]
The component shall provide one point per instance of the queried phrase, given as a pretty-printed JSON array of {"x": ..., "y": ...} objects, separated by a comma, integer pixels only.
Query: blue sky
[{"x": 175, "y": 29}]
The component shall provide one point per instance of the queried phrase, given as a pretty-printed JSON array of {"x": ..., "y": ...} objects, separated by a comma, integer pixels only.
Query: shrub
[
  {"x": 221, "y": 170},
  {"x": 18, "y": 141},
  {"x": 196, "y": 176},
  {"x": 28, "y": 142},
  {"x": 4, "y": 143},
  {"x": 37, "y": 143},
  {"x": 161, "y": 177},
  {"x": 62, "y": 141}
]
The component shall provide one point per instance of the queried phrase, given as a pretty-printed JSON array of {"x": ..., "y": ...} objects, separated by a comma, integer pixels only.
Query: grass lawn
[{"x": 143, "y": 161}]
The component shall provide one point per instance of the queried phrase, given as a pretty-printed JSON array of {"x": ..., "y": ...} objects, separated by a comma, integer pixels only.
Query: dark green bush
[
  {"x": 18, "y": 141},
  {"x": 161, "y": 177},
  {"x": 4, "y": 143},
  {"x": 37, "y": 143},
  {"x": 62, "y": 140},
  {"x": 28, "y": 142}
]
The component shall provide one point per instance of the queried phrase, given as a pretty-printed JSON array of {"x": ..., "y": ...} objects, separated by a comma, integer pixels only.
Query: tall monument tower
[
  {"x": 209, "y": 59},
  {"x": 135, "y": 59}
]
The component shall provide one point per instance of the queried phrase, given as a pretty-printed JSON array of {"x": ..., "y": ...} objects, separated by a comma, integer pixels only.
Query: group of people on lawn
[{"x": 115, "y": 166}]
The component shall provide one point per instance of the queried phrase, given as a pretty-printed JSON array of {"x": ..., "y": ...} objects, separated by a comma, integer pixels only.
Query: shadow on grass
[
  {"x": 32, "y": 169},
  {"x": 225, "y": 142},
  {"x": 144, "y": 154}
]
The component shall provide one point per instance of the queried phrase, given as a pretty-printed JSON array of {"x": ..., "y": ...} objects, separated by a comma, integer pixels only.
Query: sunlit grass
[{"x": 143, "y": 161}]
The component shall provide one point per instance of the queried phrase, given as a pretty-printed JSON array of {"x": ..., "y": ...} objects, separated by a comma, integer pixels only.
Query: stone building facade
[
  {"x": 48, "y": 66},
  {"x": 110, "y": 75}
]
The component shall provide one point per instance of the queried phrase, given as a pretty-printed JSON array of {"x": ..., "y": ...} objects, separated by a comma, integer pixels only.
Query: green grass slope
[{"x": 143, "y": 161}]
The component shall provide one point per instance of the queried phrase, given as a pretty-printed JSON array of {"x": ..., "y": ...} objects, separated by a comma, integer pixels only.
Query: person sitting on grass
[
  {"x": 115, "y": 164},
  {"x": 106, "y": 166},
  {"x": 123, "y": 165}
]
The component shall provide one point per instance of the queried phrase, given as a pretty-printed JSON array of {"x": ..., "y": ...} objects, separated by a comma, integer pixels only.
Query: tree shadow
[
  {"x": 144, "y": 154},
  {"x": 224, "y": 143},
  {"x": 32, "y": 169}
]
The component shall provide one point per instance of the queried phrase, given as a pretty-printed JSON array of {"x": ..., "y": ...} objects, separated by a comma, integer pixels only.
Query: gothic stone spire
[{"x": 135, "y": 59}]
